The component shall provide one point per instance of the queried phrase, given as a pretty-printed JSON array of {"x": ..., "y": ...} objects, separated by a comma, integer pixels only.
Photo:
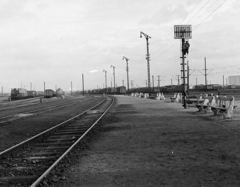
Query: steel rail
[
  {"x": 46, "y": 131},
  {"x": 44, "y": 175},
  {"x": 37, "y": 111},
  {"x": 27, "y": 104}
]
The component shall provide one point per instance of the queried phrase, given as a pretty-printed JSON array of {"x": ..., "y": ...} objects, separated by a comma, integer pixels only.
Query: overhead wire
[
  {"x": 209, "y": 15},
  {"x": 192, "y": 29},
  {"x": 171, "y": 33},
  {"x": 180, "y": 23},
  {"x": 199, "y": 11},
  {"x": 208, "y": 8}
]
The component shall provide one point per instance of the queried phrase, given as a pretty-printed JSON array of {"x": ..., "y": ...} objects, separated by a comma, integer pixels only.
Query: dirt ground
[
  {"x": 15, "y": 132},
  {"x": 146, "y": 142}
]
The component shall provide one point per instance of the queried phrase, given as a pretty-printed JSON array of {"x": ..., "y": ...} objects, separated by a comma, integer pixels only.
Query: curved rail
[
  {"x": 45, "y": 132},
  {"x": 50, "y": 135},
  {"x": 37, "y": 182},
  {"x": 10, "y": 118}
]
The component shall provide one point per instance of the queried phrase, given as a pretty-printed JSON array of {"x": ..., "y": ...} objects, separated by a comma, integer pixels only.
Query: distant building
[{"x": 234, "y": 80}]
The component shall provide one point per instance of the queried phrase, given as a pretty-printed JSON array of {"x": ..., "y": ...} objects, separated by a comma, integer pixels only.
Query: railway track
[
  {"x": 36, "y": 102},
  {"x": 15, "y": 117},
  {"x": 30, "y": 162}
]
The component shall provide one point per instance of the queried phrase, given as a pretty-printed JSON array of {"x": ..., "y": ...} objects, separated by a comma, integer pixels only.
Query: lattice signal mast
[
  {"x": 105, "y": 80},
  {"x": 147, "y": 57},
  {"x": 183, "y": 32},
  {"x": 127, "y": 69}
]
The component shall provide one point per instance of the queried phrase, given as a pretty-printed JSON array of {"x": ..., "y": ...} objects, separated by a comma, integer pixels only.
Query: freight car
[
  {"x": 40, "y": 93},
  {"x": 18, "y": 93},
  {"x": 31, "y": 94},
  {"x": 121, "y": 90},
  {"x": 118, "y": 90},
  {"x": 49, "y": 93},
  {"x": 60, "y": 93}
]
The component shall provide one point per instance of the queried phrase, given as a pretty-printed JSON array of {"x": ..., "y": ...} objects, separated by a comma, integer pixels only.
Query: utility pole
[
  {"x": 147, "y": 57},
  {"x": 113, "y": 76},
  {"x": 196, "y": 81},
  {"x": 153, "y": 81},
  {"x": 146, "y": 83},
  {"x": 123, "y": 82},
  {"x": 44, "y": 87},
  {"x": 188, "y": 77},
  {"x": 158, "y": 81},
  {"x": 71, "y": 87},
  {"x": 105, "y": 80},
  {"x": 188, "y": 74},
  {"x": 127, "y": 71},
  {"x": 83, "y": 84},
  {"x": 223, "y": 81},
  {"x": 178, "y": 80},
  {"x": 205, "y": 70},
  {"x": 132, "y": 83},
  {"x": 171, "y": 82},
  {"x": 30, "y": 86}
]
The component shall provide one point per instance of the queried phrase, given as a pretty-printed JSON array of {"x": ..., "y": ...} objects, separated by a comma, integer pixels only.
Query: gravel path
[{"x": 146, "y": 142}]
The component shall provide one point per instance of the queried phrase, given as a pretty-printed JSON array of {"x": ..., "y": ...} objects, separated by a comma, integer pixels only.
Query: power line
[
  {"x": 207, "y": 8},
  {"x": 180, "y": 23},
  {"x": 209, "y": 14},
  {"x": 191, "y": 11},
  {"x": 199, "y": 11},
  {"x": 193, "y": 29}
]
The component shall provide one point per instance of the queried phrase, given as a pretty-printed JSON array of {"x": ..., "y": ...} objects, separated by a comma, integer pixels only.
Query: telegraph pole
[
  {"x": 113, "y": 76},
  {"x": 83, "y": 83},
  {"x": 223, "y": 80},
  {"x": 71, "y": 87},
  {"x": 147, "y": 57},
  {"x": 188, "y": 78},
  {"x": 178, "y": 80},
  {"x": 123, "y": 82},
  {"x": 153, "y": 81},
  {"x": 158, "y": 81},
  {"x": 205, "y": 71},
  {"x": 105, "y": 80},
  {"x": 127, "y": 71}
]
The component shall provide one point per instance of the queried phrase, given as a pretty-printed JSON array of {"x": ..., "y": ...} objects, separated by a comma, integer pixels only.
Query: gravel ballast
[{"x": 146, "y": 142}]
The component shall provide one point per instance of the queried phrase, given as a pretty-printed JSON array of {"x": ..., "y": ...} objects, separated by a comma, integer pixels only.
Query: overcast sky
[{"x": 57, "y": 41}]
